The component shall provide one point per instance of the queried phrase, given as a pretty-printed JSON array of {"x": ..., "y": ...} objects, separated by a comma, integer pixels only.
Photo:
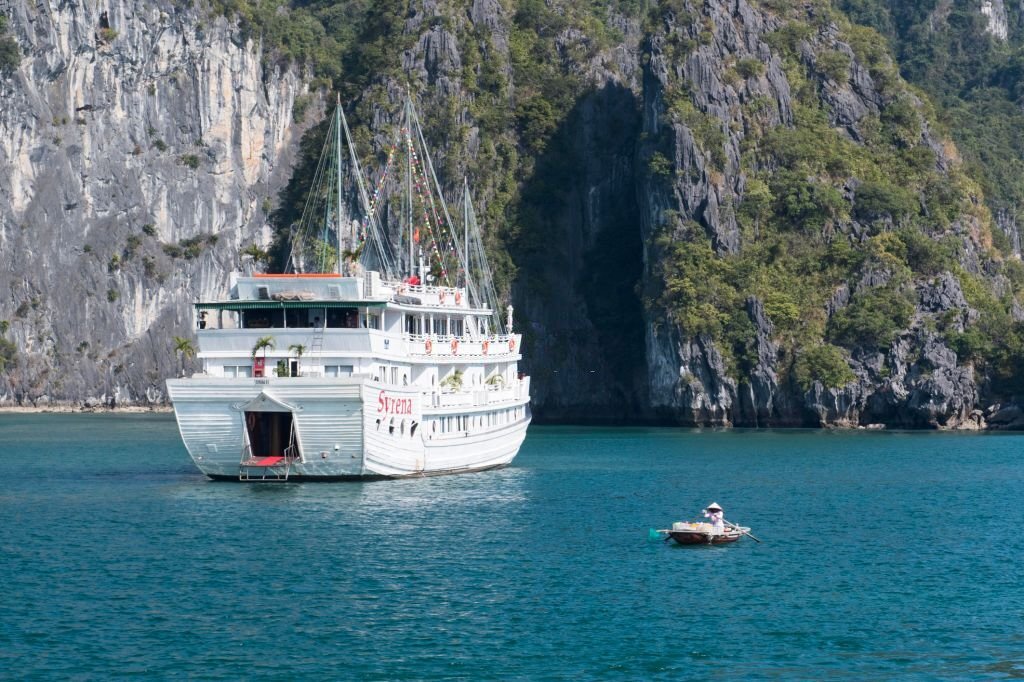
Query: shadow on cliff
[{"x": 578, "y": 249}]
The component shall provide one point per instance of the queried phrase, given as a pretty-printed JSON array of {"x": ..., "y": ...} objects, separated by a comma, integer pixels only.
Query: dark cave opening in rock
[{"x": 579, "y": 255}]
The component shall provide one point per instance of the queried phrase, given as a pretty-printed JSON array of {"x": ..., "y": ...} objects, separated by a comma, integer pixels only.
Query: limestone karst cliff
[
  {"x": 727, "y": 212},
  {"x": 140, "y": 144}
]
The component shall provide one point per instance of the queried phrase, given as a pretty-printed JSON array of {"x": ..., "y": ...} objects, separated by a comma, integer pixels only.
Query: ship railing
[
  {"x": 448, "y": 344},
  {"x": 249, "y": 468},
  {"x": 240, "y": 341},
  {"x": 435, "y": 295},
  {"x": 480, "y": 395},
  {"x": 290, "y": 453}
]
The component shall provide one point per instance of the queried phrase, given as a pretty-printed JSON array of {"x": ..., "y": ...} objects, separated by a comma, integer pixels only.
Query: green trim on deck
[{"x": 282, "y": 305}]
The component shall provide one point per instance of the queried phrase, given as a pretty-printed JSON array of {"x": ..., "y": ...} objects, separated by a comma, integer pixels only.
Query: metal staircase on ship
[{"x": 316, "y": 348}]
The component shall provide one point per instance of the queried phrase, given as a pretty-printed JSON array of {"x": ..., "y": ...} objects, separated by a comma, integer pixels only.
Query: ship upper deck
[
  {"x": 332, "y": 291},
  {"x": 344, "y": 316}
]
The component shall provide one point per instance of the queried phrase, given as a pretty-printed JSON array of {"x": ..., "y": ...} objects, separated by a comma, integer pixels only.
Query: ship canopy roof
[
  {"x": 266, "y": 402},
  {"x": 235, "y": 304}
]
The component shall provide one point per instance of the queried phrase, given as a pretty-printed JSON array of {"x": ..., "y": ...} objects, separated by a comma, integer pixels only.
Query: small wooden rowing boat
[{"x": 703, "y": 533}]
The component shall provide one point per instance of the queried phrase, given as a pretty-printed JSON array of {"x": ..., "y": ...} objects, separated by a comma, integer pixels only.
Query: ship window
[
  {"x": 263, "y": 319},
  {"x": 391, "y": 426},
  {"x": 338, "y": 370},
  {"x": 345, "y": 318},
  {"x": 457, "y": 327},
  {"x": 372, "y": 321},
  {"x": 413, "y": 325},
  {"x": 412, "y": 429}
]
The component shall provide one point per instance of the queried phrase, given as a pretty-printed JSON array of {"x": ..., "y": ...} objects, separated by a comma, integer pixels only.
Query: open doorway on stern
[{"x": 271, "y": 434}]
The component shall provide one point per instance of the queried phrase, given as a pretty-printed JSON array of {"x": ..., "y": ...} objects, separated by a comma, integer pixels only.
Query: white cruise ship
[{"x": 393, "y": 362}]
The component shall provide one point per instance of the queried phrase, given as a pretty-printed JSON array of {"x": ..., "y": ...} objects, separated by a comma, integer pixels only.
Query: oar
[
  {"x": 745, "y": 532},
  {"x": 656, "y": 535}
]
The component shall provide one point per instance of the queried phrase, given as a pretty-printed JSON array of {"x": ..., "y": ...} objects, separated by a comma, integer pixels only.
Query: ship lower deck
[{"x": 318, "y": 429}]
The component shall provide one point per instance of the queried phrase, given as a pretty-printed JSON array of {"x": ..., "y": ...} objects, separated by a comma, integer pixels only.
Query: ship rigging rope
[
  {"x": 423, "y": 188},
  {"x": 377, "y": 238},
  {"x": 324, "y": 213},
  {"x": 296, "y": 261},
  {"x": 437, "y": 187}
]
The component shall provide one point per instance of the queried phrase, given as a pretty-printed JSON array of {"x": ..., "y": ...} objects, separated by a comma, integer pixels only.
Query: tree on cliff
[{"x": 10, "y": 57}]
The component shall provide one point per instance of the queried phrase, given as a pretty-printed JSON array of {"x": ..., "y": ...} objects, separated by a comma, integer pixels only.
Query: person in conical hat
[{"x": 716, "y": 516}]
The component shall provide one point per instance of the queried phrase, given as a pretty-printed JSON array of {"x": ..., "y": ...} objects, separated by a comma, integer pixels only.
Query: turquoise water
[{"x": 884, "y": 555}]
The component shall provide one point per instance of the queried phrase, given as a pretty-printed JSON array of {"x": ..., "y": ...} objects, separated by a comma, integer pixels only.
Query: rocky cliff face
[
  {"x": 140, "y": 144},
  {"x": 918, "y": 381},
  {"x": 143, "y": 142}
]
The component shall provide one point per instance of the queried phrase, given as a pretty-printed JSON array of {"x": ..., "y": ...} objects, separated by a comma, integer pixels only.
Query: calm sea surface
[{"x": 884, "y": 555}]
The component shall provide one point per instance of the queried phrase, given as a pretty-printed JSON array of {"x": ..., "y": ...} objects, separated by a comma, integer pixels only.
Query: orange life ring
[
  {"x": 455, "y": 346},
  {"x": 458, "y": 298},
  {"x": 441, "y": 296},
  {"x": 486, "y": 345},
  {"x": 428, "y": 346},
  {"x": 511, "y": 345}
]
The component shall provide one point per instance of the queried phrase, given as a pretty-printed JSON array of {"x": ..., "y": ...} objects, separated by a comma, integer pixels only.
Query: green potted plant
[{"x": 453, "y": 381}]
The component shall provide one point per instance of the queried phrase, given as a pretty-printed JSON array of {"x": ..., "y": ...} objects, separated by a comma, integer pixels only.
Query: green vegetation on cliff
[
  {"x": 977, "y": 78},
  {"x": 873, "y": 210},
  {"x": 10, "y": 55},
  {"x": 842, "y": 223}
]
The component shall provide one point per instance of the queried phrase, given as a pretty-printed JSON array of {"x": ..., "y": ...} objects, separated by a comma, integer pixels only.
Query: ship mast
[
  {"x": 337, "y": 161},
  {"x": 465, "y": 232},
  {"x": 408, "y": 177}
]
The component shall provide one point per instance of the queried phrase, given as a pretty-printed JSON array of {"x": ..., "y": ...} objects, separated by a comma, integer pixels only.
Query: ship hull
[{"x": 321, "y": 429}]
